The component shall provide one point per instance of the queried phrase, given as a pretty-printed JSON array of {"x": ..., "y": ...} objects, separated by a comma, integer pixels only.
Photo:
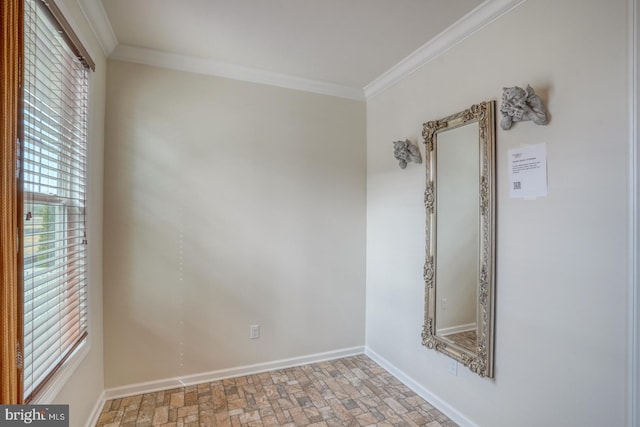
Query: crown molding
[
  {"x": 481, "y": 16},
  {"x": 221, "y": 69},
  {"x": 96, "y": 16}
]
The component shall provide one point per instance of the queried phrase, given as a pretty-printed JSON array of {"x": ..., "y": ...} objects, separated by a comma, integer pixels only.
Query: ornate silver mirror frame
[{"x": 478, "y": 356}]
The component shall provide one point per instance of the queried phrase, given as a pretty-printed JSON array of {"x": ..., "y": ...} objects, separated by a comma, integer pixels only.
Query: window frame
[{"x": 57, "y": 379}]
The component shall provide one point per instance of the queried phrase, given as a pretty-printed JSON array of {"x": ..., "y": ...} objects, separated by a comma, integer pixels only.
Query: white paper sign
[{"x": 528, "y": 171}]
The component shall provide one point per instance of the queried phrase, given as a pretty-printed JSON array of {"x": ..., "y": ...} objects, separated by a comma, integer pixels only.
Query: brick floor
[{"x": 352, "y": 391}]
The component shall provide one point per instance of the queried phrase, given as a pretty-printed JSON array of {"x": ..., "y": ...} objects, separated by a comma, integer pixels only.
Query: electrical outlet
[
  {"x": 453, "y": 367},
  {"x": 443, "y": 303},
  {"x": 254, "y": 332}
]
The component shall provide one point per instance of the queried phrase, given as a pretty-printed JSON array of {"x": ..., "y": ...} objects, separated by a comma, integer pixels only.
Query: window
[{"x": 53, "y": 156}]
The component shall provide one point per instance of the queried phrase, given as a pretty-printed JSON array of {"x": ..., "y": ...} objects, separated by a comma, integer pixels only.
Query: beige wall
[
  {"x": 83, "y": 390},
  {"x": 228, "y": 204},
  {"x": 561, "y": 260}
]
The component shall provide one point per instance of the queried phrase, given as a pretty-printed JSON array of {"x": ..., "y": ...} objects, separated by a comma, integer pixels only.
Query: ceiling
[{"x": 343, "y": 42}]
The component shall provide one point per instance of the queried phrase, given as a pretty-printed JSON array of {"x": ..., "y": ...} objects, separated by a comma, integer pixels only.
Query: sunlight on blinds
[{"x": 54, "y": 186}]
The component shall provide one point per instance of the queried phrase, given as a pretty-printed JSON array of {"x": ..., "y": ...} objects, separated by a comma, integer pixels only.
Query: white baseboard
[
  {"x": 169, "y": 383},
  {"x": 456, "y": 329},
  {"x": 421, "y": 391},
  {"x": 96, "y": 411}
]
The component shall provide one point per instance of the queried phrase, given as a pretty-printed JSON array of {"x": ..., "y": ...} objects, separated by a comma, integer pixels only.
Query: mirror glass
[
  {"x": 457, "y": 234},
  {"x": 459, "y": 264}
]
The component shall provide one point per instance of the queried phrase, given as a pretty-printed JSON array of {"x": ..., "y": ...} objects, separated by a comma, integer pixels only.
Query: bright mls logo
[{"x": 35, "y": 415}]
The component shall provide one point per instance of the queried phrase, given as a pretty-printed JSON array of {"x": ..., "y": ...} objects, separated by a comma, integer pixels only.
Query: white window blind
[{"x": 53, "y": 158}]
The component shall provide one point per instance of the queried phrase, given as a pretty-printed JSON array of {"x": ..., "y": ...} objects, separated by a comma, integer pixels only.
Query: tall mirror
[{"x": 460, "y": 234}]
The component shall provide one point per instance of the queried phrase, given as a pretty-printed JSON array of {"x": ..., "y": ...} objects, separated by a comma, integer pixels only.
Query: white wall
[
  {"x": 83, "y": 390},
  {"x": 228, "y": 204},
  {"x": 560, "y": 355}
]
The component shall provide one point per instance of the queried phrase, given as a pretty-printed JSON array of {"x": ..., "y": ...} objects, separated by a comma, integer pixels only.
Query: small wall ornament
[
  {"x": 519, "y": 105},
  {"x": 405, "y": 152}
]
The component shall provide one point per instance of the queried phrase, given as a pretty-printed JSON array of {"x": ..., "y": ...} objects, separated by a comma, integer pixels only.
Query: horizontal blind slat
[
  {"x": 69, "y": 317},
  {"x": 54, "y": 157}
]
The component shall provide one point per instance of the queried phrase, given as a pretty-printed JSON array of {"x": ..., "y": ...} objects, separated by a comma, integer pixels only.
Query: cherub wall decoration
[
  {"x": 519, "y": 105},
  {"x": 405, "y": 152}
]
